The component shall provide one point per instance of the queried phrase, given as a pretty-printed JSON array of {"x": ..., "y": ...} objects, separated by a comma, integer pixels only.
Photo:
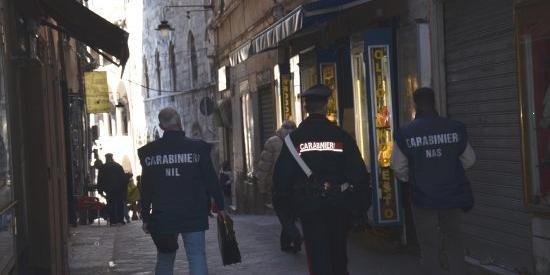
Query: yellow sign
[
  {"x": 97, "y": 92},
  {"x": 286, "y": 100},
  {"x": 387, "y": 203},
  {"x": 328, "y": 78}
]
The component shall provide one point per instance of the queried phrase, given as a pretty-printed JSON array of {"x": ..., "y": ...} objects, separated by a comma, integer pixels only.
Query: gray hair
[{"x": 169, "y": 118}]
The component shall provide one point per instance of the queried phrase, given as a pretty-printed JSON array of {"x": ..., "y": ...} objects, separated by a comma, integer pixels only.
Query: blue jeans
[{"x": 194, "y": 243}]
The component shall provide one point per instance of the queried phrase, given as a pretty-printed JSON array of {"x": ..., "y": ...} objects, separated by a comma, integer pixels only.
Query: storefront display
[{"x": 534, "y": 58}]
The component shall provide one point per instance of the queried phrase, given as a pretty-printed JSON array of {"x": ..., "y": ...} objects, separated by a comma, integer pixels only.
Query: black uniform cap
[{"x": 319, "y": 91}]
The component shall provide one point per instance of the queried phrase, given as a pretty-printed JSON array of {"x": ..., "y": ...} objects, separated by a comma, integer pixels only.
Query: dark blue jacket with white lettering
[
  {"x": 177, "y": 181},
  {"x": 433, "y": 146}
]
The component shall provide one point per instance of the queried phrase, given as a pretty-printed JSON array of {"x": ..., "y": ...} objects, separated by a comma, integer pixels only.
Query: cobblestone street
[{"x": 126, "y": 250}]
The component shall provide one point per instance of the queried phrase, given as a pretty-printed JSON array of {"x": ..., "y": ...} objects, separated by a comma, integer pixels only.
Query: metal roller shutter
[
  {"x": 267, "y": 113},
  {"x": 482, "y": 92}
]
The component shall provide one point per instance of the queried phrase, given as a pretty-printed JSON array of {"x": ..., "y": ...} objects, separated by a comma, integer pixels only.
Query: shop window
[
  {"x": 248, "y": 126},
  {"x": 222, "y": 78},
  {"x": 534, "y": 73}
]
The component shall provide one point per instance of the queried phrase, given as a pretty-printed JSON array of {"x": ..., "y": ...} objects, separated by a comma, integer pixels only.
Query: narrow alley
[
  {"x": 127, "y": 250},
  {"x": 425, "y": 124}
]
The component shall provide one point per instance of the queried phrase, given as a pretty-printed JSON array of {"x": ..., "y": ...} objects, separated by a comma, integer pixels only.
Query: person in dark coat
[
  {"x": 327, "y": 201},
  {"x": 111, "y": 180},
  {"x": 178, "y": 178}
]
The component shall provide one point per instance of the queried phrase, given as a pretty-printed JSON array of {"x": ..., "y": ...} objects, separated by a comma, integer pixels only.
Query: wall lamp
[{"x": 165, "y": 28}]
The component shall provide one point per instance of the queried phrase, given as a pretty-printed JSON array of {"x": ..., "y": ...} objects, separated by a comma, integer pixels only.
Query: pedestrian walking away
[
  {"x": 264, "y": 174},
  {"x": 112, "y": 180},
  {"x": 129, "y": 180},
  {"x": 321, "y": 178},
  {"x": 432, "y": 153},
  {"x": 177, "y": 179},
  {"x": 226, "y": 180}
]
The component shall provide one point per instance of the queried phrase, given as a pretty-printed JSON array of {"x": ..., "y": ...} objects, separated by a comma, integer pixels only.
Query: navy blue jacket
[
  {"x": 177, "y": 181},
  {"x": 433, "y": 146}
]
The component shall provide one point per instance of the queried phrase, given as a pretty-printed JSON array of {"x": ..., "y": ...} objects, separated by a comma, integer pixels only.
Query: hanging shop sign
[
  {"x": 387, "y": 206},
  {"x": 328, "y": 78},
  {"x": 97, "y": 92},
  {"x": 286, "y": 98}
]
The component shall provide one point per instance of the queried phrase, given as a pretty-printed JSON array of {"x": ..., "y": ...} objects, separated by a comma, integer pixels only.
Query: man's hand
[{"x": 145, "y": 228}]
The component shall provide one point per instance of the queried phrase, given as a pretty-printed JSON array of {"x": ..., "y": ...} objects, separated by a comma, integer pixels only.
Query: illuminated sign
[
  {"x": 387, "y": 204},
  {"x": 286, "y": 98},
  {"x": 328, "y": 78},
  {"x": 97, "y": 92}
]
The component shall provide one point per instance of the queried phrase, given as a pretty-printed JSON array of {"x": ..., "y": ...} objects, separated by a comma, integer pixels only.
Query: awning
[
  {"x": 91, "y": 29},
  {"x": 241, "y": 54},
  {"x": 318, "y": 14},
  {"x": 302, "y": 17}
]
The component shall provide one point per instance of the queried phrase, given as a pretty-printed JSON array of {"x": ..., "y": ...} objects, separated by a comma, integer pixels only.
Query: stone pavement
[{"x": 127, "y": 250}]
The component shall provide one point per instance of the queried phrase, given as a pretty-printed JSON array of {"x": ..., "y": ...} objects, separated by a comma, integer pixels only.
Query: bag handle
[{"x": 290, "y": 145}]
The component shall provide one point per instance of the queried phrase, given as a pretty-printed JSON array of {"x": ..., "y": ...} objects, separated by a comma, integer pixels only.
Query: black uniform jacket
[
  {"x": 177, "y": 181},
  {"x": 333, "y": 156}
]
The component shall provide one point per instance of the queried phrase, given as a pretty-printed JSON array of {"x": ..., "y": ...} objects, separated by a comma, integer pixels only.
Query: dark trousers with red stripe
[{"x": 325, "y": 236}]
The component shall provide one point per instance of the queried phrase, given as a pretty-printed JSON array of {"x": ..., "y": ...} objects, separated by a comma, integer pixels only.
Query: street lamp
[{"x": 165, "y": 28}]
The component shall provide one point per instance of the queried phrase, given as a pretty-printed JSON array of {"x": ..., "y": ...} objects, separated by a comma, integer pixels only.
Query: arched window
[
  {"x": 157, "y": 64},
  {"x": 173, "y": 66},
  {"x": 193, "y": 56},
  {"x": 146, "y": 76}
]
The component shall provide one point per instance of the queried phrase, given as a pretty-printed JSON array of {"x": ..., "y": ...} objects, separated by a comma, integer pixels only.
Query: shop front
[
  {"x": 350, "y": 47},
  {"x": 360, "y": 73},
  {"x": 360, "y": 69}
]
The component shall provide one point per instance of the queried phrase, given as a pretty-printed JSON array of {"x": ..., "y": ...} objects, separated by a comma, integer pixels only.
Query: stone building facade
[
  {"x": 250, "y": 82},
  {"x": 121, "y": 131},
  {"x": 177, "y": 69}
]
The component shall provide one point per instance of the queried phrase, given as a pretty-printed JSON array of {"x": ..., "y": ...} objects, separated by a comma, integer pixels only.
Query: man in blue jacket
[
  {"x": 177, "y": 181},
  {"x": 432, "y": 153}
]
